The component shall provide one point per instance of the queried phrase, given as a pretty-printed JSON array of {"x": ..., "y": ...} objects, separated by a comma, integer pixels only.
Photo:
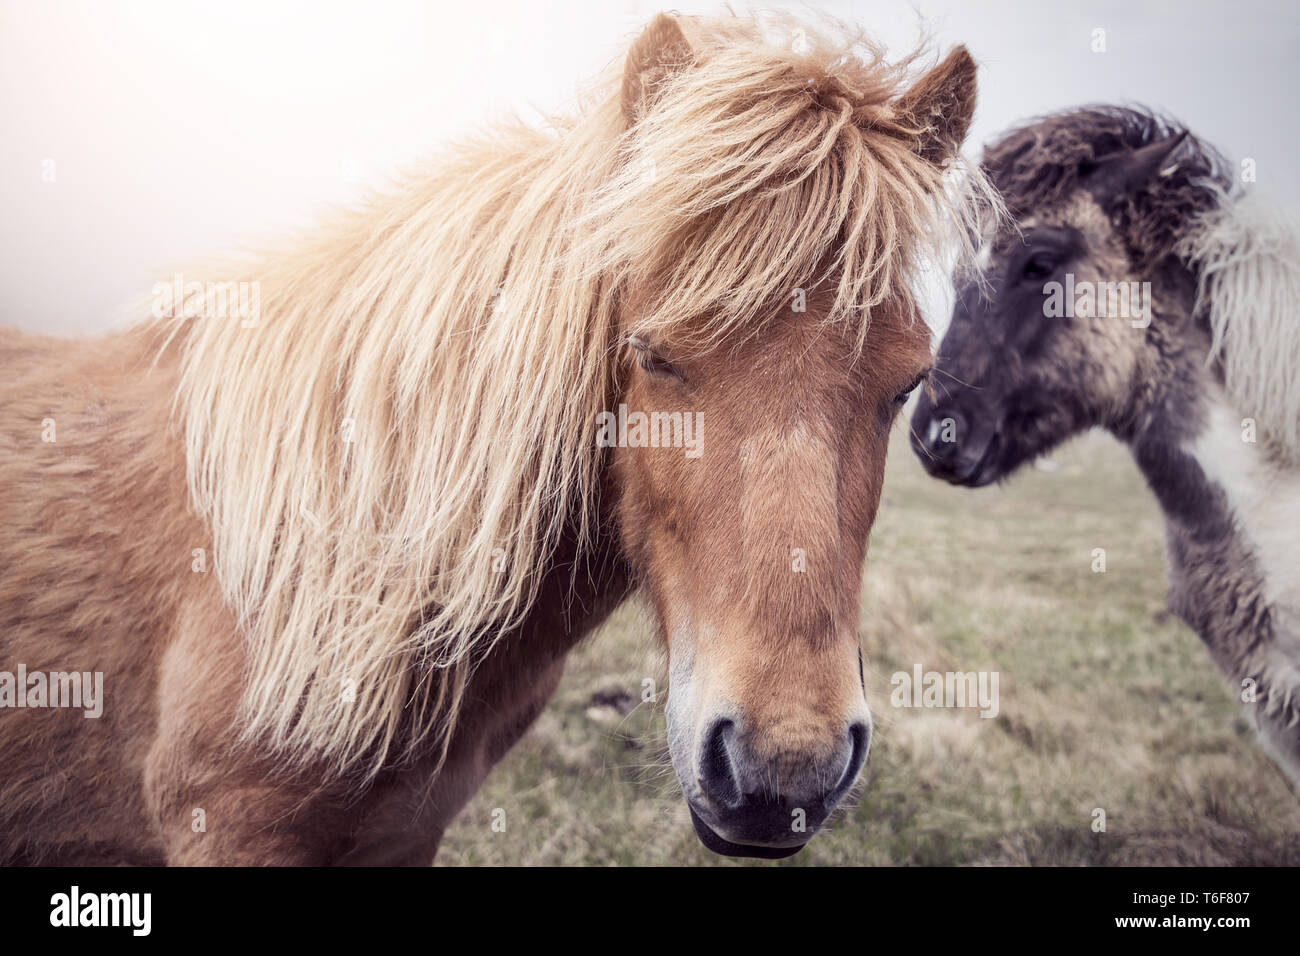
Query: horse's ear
[
  {"x": 939, "y": 106},
  {"x": 660, "y": 51},
  {"x": 1114, "y": 177}
]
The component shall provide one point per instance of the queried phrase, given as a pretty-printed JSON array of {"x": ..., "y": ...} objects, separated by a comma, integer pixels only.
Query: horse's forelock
[
  {"x": 764, "y": 169},
  {"x": 1040, "y": 163}
]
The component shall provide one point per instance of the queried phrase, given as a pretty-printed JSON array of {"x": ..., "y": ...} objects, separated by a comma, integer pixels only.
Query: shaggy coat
[
  {"x": 330, "y": 560},
  {"x": 1204, "y": 388}
]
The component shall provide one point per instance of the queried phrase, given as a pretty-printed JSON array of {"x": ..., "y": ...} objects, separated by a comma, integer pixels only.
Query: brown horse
[{"x": 327, "y": 554}]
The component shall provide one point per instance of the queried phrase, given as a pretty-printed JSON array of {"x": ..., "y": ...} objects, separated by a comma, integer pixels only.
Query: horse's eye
[
  {"x": 658, "y": 365},
  {"x": 902, "y": 396},
  {"x": 1041, "y": 265},
  {"x": 653, "y": 362}
]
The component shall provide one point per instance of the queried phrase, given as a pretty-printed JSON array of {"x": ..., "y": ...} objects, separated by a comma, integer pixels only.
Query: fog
[{"x": 140, "y": 135}]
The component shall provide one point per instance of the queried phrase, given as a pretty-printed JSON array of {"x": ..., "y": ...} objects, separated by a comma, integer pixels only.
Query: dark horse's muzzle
[{"x": 955, "y": 443}]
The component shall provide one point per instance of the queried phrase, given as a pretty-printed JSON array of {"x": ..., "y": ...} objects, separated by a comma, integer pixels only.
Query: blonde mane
[
  {"x": 1248, "y": 259},
  {"x": 389, "y": 457}
]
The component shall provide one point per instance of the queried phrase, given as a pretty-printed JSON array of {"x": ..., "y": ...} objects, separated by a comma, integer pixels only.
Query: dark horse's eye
[
  {"x": 902, "y": 396},
  {"x": 1041, "y": 265}
]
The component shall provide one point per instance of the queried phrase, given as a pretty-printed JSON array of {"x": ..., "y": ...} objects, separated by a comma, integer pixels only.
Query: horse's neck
[
  {"x": 1233, "y": 526},
  {"x": 1232, "y": 515}
]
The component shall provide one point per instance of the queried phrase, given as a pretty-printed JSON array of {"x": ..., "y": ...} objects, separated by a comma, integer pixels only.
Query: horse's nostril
[
  {"x": 717, "y": 775},
  {"x": 859, "y": 744},
  {"x": 942, "y": 431}
]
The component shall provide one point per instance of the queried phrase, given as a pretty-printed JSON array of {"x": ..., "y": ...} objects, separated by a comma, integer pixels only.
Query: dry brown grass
[{"x": 1106, "y": 703}]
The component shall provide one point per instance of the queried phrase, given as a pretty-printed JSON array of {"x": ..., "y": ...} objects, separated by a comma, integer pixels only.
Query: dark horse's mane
[{"x": 1040, "y": 163}]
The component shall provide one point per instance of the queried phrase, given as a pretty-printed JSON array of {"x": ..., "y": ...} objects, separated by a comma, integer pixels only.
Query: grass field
[{"x": 1105, "y": 702}]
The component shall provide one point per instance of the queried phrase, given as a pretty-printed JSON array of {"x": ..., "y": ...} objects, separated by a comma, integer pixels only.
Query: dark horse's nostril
[
  {"x": 860, "y": 743},
  {"x": 942, "y": 432},
  {"x": 716, "y": 773}
]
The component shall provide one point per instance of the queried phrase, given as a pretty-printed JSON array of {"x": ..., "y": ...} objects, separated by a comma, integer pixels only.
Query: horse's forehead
[
  {"x": 1078, "y": 210},
  {"x": 810, "y": 346}
]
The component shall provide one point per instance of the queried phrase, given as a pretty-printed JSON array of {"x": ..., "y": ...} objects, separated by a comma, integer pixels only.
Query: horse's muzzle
[
  {"x": 751, "y": 806},
  {"x": 717, "y": 844},
  {"x": 953, "y": 447}
]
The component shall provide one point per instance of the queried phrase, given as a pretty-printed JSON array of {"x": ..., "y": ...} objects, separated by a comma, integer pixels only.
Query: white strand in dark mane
[{"x": 1248, "y": 257}]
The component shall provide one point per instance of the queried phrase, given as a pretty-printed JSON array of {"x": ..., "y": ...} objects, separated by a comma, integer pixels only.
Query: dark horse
[{"x": 1137, "y": 291}]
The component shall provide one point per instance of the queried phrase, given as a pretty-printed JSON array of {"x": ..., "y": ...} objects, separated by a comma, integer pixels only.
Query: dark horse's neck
[{"x": 1215, "y": 582}]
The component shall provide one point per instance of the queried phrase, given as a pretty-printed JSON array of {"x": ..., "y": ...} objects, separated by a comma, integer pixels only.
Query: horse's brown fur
[
  {"x": 97, "y": 550},
  {"x": 717, "y": 542},
  {"x": 196, "y": 531}
]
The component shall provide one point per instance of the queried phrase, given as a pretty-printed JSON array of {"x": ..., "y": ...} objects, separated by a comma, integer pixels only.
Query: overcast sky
[{"x": 171, "y": 130}]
